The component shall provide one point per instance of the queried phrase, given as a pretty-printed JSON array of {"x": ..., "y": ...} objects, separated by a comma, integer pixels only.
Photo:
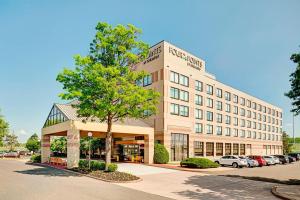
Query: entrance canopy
[{"x": 63, "y": 121}]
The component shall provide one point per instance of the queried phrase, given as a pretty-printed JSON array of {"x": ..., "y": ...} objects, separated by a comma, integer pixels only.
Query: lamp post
[{"x": 90, "y": 134}]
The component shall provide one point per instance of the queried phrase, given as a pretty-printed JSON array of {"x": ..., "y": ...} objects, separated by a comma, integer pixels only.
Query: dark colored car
[
  {"x": 291, "y": 159},
  {"x": 283, "y": 159},
  {"x": 295, "y": 155},
  {"x": 261, "y": 161}
]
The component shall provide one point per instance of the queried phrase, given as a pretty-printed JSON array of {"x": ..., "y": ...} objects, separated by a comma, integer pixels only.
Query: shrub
[
  {"x": 83, "y": 164},
  {"x": 112, "y": 167},
  {"x": 161, "y": 155},
  {"x": 202, "y": 163},
  {"x": 36, "y": 158},
  {"x": 97, "y": 165}
]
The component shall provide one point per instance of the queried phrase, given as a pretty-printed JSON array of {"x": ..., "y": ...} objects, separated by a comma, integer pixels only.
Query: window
[
  {"x": 219, "y": 105},
  {"x": 55, "y": 117},
  {"x": 209, "y": 116},
  {"x": 242, "y": 133},
  {"x": 227, "y": 119},
  {"x": 219, "y": 92},
  {"x": 209, "y": 148},
  {"x": 209, "y": 89},
  {"x": 248, "y": 113},
  {"x": 242, "y": 149},
  {"x": 174, "y": 93},
  {"x": 174, "y": 77},
  {"x": 248, "y": 134},
  {"x": 242, "y": 101},
  {"x": 248, "y": 103},
  {"x": 227, "y": 108},
  {"x": 248, "y": 124},
  {"x": 219, "y": 130},
  {"x": 235, "y": 121},
  {"x": 219, "y": 149},
  {"x": 254, "y": 135},
  {"x": 254, "y": 105},
  {"x": 184, "y": 95},
  {"x": 242, "y": 123},
  {"x": 147, "y": 80},
  {"x": 235, "y": 149},
  {"x": 183, "y": 80},
  {"x": 254, "y": 115},
  {"x": 235, "y": 99},
  {"x": 198, "y": 114},
  {"x": 198, "y": 148},
  {"x": 227, "y": 131},
  {"x": 199, "y": 86},
  {"x": 174, "y": 109},
  {"x": 242, "y": 111},
  {"x": 235, "y": 132},
  {"x": 209, "y": 129},
  {"x": 198, "y": 128},
  {"x": 227, "y": 96},
  {"x": 184, "y": 111},
  {"x": 198, "y": 100},
  {"x": 235, "y": 110},
  {"x": 227, "y": 149},
  {"x": 209, "y": 102},
  {"x": 219, "y": 118}
]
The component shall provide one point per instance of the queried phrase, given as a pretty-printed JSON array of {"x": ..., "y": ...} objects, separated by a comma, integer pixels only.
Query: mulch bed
[{"x": 116, "y": 176}]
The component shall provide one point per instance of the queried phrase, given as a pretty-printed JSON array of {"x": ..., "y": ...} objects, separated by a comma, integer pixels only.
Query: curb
[
  {"x": 281, "y": 196},
  {"x": 86, "y": 175}
]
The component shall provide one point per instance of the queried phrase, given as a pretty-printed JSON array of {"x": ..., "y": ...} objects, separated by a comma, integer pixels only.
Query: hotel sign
[
  {"x": 153, "y": 54},
  {"x": 190, "y": 60}
]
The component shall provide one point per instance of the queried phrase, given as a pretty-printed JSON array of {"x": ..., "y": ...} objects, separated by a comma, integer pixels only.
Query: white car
[
  {"x": 276, "y": 160},
  {"x": 233, "y": 161},
  {"x": 269, "y": 160}
]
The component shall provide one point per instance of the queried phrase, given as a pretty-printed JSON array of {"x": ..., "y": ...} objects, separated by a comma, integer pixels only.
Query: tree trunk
[{"x": 108, "y": 144}]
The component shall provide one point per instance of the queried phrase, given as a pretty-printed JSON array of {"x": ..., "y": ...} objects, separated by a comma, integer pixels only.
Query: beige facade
[{"x": 200, "y": 116}]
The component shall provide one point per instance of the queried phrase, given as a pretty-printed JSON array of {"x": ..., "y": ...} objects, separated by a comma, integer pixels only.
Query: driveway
[
  {"x": 19, "y": 181},
  {"x": 184, "y": 185}
]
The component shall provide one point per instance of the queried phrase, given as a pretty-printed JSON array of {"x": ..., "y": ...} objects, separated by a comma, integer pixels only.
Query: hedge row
[
  {"x": 97, "y": 165},
  {"x": 202, "y": 163}
]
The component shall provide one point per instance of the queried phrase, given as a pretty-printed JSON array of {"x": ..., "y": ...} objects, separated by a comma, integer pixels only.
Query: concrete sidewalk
[{"x": 291, "y": 192}]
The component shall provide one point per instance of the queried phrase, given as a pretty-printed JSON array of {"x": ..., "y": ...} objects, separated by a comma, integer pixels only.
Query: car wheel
[
  {"x": 217, "y": 162},
  {"x": 235, "y": 165},
  {"x": 249, "y": 165}
]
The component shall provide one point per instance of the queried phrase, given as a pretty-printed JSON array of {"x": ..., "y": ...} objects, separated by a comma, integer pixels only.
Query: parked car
[
  {"x": 291, "y": 159},
  {"x": 269, "y": 160},
  {"x": 233, "y": 161},
  {"x": 283, "y": 159},
  {"x": 276, "y": 159},
  {"x": 295, "y": 155},
  {"x": 250, "y": 162},
  {"x": 261, "y": 161},
  {"x": 12, "y": 154}
]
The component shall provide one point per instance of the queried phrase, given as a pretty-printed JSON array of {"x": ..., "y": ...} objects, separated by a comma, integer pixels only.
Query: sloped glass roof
[{"x": 55, "y": 117}]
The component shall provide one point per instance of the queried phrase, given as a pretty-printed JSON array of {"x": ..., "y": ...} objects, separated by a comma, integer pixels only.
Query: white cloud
[{"x": 23, "y": 135}]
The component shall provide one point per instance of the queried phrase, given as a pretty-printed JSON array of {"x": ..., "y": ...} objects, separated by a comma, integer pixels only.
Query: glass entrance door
[{"x": 179, "y": 146}]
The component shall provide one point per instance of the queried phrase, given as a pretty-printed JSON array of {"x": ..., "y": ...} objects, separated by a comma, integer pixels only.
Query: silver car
[
  {"x": 277, "y": 161},
  {"x": 232, "y": 160},
  {"x": 269, "y": 160}
]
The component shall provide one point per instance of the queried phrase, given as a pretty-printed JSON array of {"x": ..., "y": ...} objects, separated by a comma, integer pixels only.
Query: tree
[
  {"x": 59, "y": 144},
  {"x": 4, "y": 127},
  {"x": 294, "y": 93},
  {"x": 286, "y": 146},
  {"x": 33, "y": 143},
  {"x": 11, "y": 140},
  {"x": 104, "y": 82}
]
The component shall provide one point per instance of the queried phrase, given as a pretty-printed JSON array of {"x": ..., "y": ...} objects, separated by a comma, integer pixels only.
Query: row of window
[
  {"x": 236, "y": 132},
  {"x": 179, "y": 79},
  {"x": 179, "y": 110},
  {"x": 236, "y": 121}
]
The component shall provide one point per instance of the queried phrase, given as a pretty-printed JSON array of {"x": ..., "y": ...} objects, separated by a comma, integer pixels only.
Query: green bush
[
  {"x": 112, "y": 167},
  {"x": 202, "y": 163},
  {"x": 83, "y": 164},
  {"x": 97, "y": 165},
  {"x": 161, "y": 155},
  {"x": 36, "y": 158}
]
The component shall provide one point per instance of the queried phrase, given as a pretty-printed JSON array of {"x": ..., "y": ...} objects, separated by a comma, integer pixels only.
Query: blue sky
[{"x": 246, "y": 44}]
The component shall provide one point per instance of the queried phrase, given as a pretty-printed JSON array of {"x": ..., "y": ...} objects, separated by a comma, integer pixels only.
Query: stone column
[
  {"x": 204, "y": 149},
  {"x": 231, "y": 149},
  {"x": 215, "y": 149},
  {"x": 148, "y": 149},
  {"x": 45, "y": 148},
  {"x": 73, "y": 148},
  {"x": 223, "y": 149}
]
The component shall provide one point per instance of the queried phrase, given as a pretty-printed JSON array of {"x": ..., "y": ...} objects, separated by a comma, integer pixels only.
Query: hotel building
[
  {"x": 197, "y": 116},
  {"x": 200, "y": 116}
]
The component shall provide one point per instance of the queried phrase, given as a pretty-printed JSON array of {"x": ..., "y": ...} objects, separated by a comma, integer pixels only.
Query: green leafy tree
[
  {"x": 294, "y": 93},
  {"x": 287, "y": 147},
  {"x": 33, "y": 143},
  {"x": 11, "y": 141},
  {"x": 59, "y": 144},
  {"x": 4, "y": 127},
  {"x": 105, "y": 84}
]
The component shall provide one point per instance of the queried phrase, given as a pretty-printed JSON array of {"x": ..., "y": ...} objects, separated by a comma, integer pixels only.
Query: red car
[{"x": 261, "y": 161}]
